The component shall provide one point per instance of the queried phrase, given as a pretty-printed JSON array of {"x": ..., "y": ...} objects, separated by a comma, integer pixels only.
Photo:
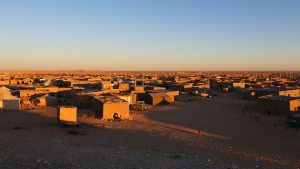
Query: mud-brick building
[
  {"x": 83, "y": 100},
  {"x": 278, "y": 105},
  {"x": 106, "y": 85},
  {"x": 67, "y": 114},
  {"x": 110, "y": 107},
  {"x": 182, "y": 87},
  {"x": 45, "y": 100},
  {"x": 289, "y": 93},
  {"x": 238, "y": 86},
  {"x": 156, "y": 97}
]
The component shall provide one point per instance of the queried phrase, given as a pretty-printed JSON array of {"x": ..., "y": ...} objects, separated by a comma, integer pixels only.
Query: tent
[
  {"x": 7, "y": 100},
  {"x": 5, "y": 90}
]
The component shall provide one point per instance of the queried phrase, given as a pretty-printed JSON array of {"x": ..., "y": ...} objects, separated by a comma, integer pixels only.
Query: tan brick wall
[
  {"x": 67, "y": 114},
  {"x": 110, "y": 109}
]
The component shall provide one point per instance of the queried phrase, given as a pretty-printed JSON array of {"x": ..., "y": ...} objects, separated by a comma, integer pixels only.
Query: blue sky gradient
[{"x": 150, "y": 35}]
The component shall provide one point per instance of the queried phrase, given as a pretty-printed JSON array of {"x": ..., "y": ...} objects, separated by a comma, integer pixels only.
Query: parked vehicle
[
  {"x": 293, "y": 121},
  {"x": 139, "y": 106}
]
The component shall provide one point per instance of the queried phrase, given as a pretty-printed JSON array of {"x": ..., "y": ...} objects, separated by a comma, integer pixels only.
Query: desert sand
[{"x": 165, "y": 137}]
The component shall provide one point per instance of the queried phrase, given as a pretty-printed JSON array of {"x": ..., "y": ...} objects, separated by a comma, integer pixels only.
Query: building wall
[
  {"x": 4, "y": 82},
  {"x": 154, "y": 88},
  {"x": 98, "y": 108},
  {"x": 173, "y": 93},
  {"x": 278, "y": 107},
  {"x": 159, "y": 98},
  {"x": 67, "y": 114},
  {"x": 10, "y": 104},
  {"x": 107, "y": 110},
  {"x": 83, "y": 101},
  {"x": 27, "y": 93},
  {"x": 105, "y": 86},
  {"x": 47, "y": 102},
  {"x": 139, "y": 88},
  {"x": 134, "y": 98},
  {"x": 290, "y": 93},
  {"x": 295, "y": 105},
  {"x": 124, "y": 86},
  {"x": 155, "y": 100},
  {"x": 239, "y": 85}
]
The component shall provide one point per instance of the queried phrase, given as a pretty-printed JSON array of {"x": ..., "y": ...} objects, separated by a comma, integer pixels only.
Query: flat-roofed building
[
  {"x": 45, "y": 100},
  {"x": 239, "y": 85},
  {"x": 280, "y": 105},
  {"x": 290, "y": 93},
  {"x": 67, "y": 114},
  {"x": 110, "y": 107},
  {"x": 156, "y": 97}
]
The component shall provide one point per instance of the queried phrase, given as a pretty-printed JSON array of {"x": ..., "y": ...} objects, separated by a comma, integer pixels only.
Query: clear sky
[{"x": 150, "y": 34}]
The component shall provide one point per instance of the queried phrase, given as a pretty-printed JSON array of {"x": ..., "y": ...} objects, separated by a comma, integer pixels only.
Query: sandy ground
[{"x": 165, "y": 136}]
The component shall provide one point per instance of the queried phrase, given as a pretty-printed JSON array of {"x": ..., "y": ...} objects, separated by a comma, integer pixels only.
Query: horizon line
[{"x": 90, "y": 70}]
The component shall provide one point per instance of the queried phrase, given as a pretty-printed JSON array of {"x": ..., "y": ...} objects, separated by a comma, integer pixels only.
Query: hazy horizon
[
  {"x": 90, "y": 70},
  {"x": 132, "y": 35}
]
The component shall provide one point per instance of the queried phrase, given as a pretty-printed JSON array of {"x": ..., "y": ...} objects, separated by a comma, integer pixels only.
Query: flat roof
[
  {"x": 109, "y": 99},
  {"x": 279, "y": 98}
]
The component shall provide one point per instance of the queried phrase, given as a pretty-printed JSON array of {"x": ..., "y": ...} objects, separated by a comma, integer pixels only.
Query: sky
[{"x": 141, "y": 35}]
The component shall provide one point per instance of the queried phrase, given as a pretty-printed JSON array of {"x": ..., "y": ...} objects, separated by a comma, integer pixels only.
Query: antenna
[{"x": 280, "y": 75}]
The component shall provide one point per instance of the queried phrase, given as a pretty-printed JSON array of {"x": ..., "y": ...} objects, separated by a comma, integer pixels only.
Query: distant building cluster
[{"x": 113, "y": 95}]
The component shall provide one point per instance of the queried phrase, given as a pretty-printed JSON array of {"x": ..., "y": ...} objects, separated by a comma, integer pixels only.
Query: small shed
[
  {"x": 67, "y": 114},
  {"x": 8, "y": 101},
  {"x": 110, "y": 107}
]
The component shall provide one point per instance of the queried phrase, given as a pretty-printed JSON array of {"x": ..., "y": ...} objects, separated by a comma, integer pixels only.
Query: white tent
[
  {"x": 4, "y": 90},
  {"x": 8, "y": 101}
]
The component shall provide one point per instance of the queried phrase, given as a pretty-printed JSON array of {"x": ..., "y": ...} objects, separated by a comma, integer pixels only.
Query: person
[
  {"x": 199, "y": 132},
  {"x": 116, "y": 116}
]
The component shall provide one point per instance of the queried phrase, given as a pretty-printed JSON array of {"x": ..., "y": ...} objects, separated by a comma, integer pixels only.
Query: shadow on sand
[{"x": 23, "y": 132}]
